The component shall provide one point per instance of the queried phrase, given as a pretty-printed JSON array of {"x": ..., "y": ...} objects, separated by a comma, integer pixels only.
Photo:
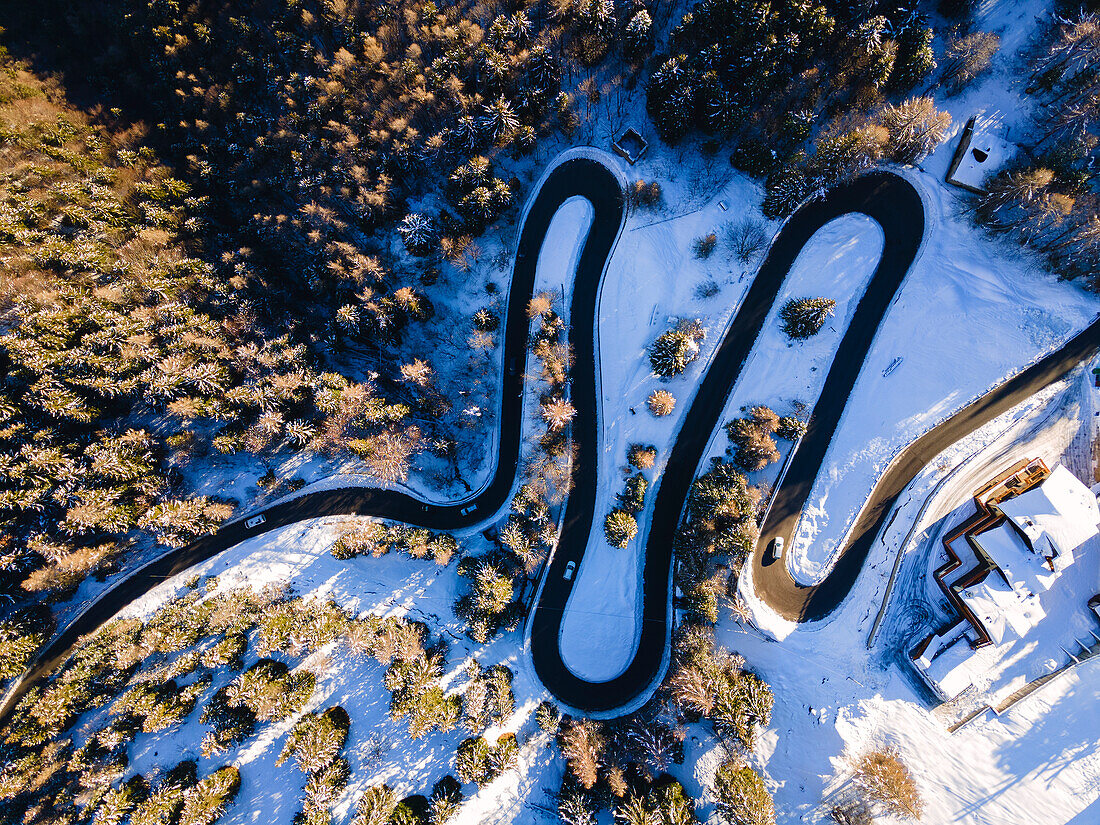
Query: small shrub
[
  {"x": 661, "y": 402},
  {"x": 703, "y": 246},
  {"x": 791, "y": 428},
  {"x": 644, "y": 195},
  {"x": 642, "y": 456}
]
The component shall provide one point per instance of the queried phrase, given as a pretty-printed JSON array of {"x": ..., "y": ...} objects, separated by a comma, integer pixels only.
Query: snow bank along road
[
  {"x": 886, "y": 198},
  {"x": 771, "y": 577}
]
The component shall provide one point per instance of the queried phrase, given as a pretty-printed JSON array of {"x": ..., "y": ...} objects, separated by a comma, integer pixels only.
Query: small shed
[
  {"x": 978, "y": 154},
  {"x": 630, "y": 145}
]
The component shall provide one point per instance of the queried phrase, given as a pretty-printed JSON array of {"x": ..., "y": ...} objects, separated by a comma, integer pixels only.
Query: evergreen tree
[
  {"x": 417, "y": 232},
  {"x": 741, "y": 796},
  {"x": 638, "y": 34},
  {"x": 619, "y": 528},
  {"x": 376, "y": 806},
  {"x": 915, "y": 58},
  {"x": 804, "y": 317},
  {"x": 787, "y": 187},
  {"x": 675, "y": 349},
  {"x": 915, "y": 127}
]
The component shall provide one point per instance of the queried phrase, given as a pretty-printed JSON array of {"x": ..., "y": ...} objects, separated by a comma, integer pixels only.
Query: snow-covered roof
[
  {"x": 986, "y": 154},
  {"x": 1023, "y": 570},
  {"x": 1004, "y": 611},
  {"x": 1059, "y": 517},
  {"x": 950, "y": 672}
]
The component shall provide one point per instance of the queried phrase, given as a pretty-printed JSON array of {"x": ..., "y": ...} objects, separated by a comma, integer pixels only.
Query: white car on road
[
  {"x": 570, "y": 568},
  {"x": 255, "y": 521}
]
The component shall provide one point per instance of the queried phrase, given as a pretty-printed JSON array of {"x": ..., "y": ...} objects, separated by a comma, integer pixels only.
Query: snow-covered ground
[
  {"x": 970, "y": 314},
  {"x": 835, "y": 697},
  {"x": 379, "y": 749},
  {"x": 652, "y": 279}
]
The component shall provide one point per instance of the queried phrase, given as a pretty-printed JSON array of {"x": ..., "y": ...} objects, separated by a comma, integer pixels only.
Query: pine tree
[
  {"x": 445, "y": 800},
  {"x": 915, "y": 128},
  {"x": 205, "y": 803},
  {"x": 582, "y": 745},
  {"x": 548, "y": 717},
  {"x": 376, "y": 806},
  {"x": 619, "y": 528},
  {"x": 118, "y": 802},
  {"x": 804, "y": 317},
  {"x": 418, "y": 233},
  {"x": 787, "y": 186},
  {"x": 915, "y": 58},
  {"x": 638, "y": 34},
  {"x": 742, "y": 797},
  {"x": 498, "y": 120},
  {"x": 790, "y": 428},
  {"x": 672, "y": 352}
]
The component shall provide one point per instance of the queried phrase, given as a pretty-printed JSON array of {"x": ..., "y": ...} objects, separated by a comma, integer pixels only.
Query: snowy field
[
  {"x": 971, "y": 312},
  {"x": 652, "y": 280}
]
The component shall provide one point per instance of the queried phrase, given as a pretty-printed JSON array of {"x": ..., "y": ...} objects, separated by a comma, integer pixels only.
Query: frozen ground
[
  {"x": 837, "y": 262},
  {"x": 970, "y": 314},
  {"x": 839, "y": 697},
  {"x": 1057, "y": 431}
]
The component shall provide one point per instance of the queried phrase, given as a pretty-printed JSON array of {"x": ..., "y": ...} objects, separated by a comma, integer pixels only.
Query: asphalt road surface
[
  {"x": 800, "y": 603},
  {"x": 582, "y": 177},
  {"x": 886, "y": 198}
]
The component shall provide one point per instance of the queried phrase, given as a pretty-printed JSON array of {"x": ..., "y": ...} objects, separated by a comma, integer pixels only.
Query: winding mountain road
[
  {"x": 897, "y": 207},
  {"x": 802, "y": 603},
  {"x": 886, "y": 198}
]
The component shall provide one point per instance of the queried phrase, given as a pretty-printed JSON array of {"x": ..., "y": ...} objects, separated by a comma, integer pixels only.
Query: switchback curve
[
  {"x": 886, "y": 198},
  {"x": 803, "y": 603},
  {"x": 577, "y": 176},
  {"x": 896, "y": 206}
]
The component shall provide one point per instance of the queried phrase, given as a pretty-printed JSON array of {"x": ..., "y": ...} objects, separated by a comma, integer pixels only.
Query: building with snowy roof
[{"x": 1029, "y": 526}]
